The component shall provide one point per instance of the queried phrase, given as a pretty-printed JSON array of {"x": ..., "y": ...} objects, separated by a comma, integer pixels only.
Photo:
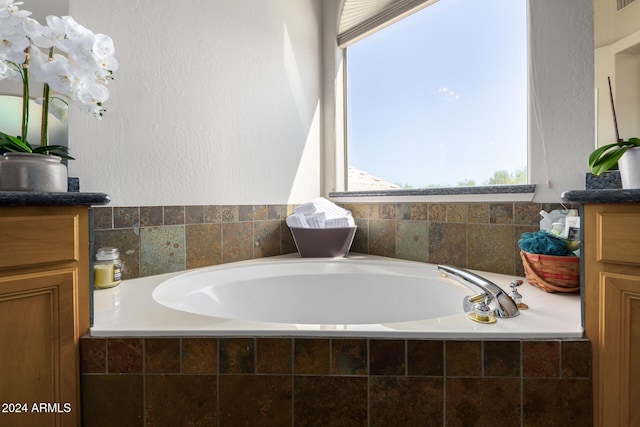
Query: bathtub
[{"x": 358, "y": 296}]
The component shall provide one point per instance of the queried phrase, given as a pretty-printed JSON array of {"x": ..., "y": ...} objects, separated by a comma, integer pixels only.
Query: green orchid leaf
[
  {"x": 13, "y": 143},
  {"x": 56, "y": 150},
  {"x": 608, "y": 160},
  {"x": 597, "y": 154}
]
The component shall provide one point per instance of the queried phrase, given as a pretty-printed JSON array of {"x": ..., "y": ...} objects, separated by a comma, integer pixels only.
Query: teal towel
[{"x": 543, "y": 243}]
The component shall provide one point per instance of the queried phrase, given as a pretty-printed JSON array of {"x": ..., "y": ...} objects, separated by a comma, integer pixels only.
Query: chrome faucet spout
[{"x": 496, "y": 298}]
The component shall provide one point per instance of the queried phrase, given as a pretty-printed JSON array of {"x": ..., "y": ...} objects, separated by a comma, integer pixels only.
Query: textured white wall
[
  {"x": 215, "y": 102},
  {"x": 561, "y": 114}
]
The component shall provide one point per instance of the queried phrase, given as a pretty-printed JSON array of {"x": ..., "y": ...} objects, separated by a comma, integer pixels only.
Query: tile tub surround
[
  {"x": 162, "y": 239},
  {"x": 326, "y": 382}
]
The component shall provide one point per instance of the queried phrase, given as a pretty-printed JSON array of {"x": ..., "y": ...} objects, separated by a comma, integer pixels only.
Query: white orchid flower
[{"x": 78, "y": 77}]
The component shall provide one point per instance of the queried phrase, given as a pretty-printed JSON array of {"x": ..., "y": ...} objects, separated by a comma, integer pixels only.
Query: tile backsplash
[{"x": 161, "y": 239}]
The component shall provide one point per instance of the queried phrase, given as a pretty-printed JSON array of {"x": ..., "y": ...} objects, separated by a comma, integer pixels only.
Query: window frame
[{"x": 555, "y": 162}]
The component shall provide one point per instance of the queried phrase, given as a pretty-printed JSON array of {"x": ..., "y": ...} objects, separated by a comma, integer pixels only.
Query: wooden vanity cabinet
[
  {"x": 44, "y": 309},
  {"x": 612, "y": 310}
]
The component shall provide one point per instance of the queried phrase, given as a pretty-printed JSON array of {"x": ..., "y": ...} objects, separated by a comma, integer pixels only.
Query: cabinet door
[
  {"x": 38, "y": 358},
  {"x": 620, "y": 362}
]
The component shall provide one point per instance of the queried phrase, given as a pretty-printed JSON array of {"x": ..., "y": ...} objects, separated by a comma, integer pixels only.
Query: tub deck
[{"x": 130, "y": 310}]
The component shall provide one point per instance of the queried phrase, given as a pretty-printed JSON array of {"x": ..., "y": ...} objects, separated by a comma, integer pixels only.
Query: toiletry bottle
[{"x": 107, "y": 269}]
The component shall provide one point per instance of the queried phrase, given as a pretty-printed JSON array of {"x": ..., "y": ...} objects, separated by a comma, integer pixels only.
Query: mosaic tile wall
[
  {"x": 161, "y": 239},
  {"x": 334, "y": 382}
]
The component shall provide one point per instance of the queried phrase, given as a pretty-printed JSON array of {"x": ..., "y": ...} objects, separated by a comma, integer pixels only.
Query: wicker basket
[{"x": 552, "y": 273}]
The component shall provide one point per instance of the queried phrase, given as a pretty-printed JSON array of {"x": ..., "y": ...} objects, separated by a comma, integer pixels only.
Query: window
[{"x": 439, "y": 98}]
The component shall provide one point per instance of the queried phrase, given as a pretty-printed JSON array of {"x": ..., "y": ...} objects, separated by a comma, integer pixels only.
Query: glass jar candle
[{"x": 107, "y": 269}]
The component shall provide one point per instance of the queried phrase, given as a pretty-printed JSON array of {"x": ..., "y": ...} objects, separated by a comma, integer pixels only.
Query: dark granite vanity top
[
  {"x": 28, "y": 198},
  {"x": 602, "y": 196}
]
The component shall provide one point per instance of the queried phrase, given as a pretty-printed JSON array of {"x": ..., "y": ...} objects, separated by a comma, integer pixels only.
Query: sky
[{"x": 441, "y": 96}]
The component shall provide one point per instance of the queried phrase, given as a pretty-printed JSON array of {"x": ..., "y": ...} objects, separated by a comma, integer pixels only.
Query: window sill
[{"x": 515, "y": 193}]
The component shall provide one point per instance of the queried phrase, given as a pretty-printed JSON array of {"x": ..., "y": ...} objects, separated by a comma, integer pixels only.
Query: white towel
[
  {"x": 320, "y": 213},
  {"x": 297, "y": 221},
  {"x": 345, "y": 222}
]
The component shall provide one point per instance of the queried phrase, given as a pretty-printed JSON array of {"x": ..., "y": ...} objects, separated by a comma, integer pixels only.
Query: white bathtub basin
[
  {"x": 329, "y": 292},
  {"x": 394, "y": 299}
]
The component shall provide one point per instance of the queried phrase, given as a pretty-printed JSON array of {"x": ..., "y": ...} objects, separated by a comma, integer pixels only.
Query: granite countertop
[
  {"x": 602, "y": 196},
  {"x": 71, "y": 198}
]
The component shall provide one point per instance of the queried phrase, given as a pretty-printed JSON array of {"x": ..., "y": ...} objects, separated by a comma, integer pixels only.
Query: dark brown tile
[
  {"x": 93, "y": 355},
  {"x": 237, "y": 356},
  {"x": 311, "y": 356},
  {"x": 151, "y": 216},
  {"x": 274, "y": 356},
  {"x": 194, "y": 214},
  {"x": 256, "y": 400},
  {"x": 203, "y": 245},
  {"x": 237, "y": 241},
  {"x": 463, "y": 358},
  {"x": 349, "y": 357},
  {"x": 162, "y": 355},
  {"x": 387, "y": 357},
  {"x": 126, "y": 217},
  {"x": 557, "y": 402},
  {"x": 103, "y": 218},
  {"x": 467, "y": 399},
  {"x": 112, "y": 400},
  {"x": 173, "y": 215},
  {"x": 199, "y": 355},
  {"x": 330, "y": 401},
  {"x": 576, "y": 359},
  {"x": 406, "y": 401},
  {"x": 502, "y": 358},
  {"x": 124, "y": 355},
  {"x": 540, "y": 359},
  {"x": 425, "y": 357},
  {"x": 180, "y": 400}
]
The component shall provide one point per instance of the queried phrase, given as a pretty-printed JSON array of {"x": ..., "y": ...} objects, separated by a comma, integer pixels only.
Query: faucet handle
[
  {"x": 515, "y": 295},
  {"x": 470, "y": 302},
  {"x": 482, "y": 313}
]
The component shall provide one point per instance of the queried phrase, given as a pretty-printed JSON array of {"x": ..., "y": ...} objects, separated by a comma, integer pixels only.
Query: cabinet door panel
[
  {"x": 37, "y": 329},
  {"x": 620, "y": 363},
  {"x": 618, "y": 237}
]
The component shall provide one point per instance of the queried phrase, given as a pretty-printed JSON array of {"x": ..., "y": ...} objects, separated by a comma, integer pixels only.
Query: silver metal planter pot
[{"x": 32, "y": 172}]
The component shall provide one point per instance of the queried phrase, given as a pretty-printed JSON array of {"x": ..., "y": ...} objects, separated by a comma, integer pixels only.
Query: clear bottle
[{"x": 107, "y": 269}]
